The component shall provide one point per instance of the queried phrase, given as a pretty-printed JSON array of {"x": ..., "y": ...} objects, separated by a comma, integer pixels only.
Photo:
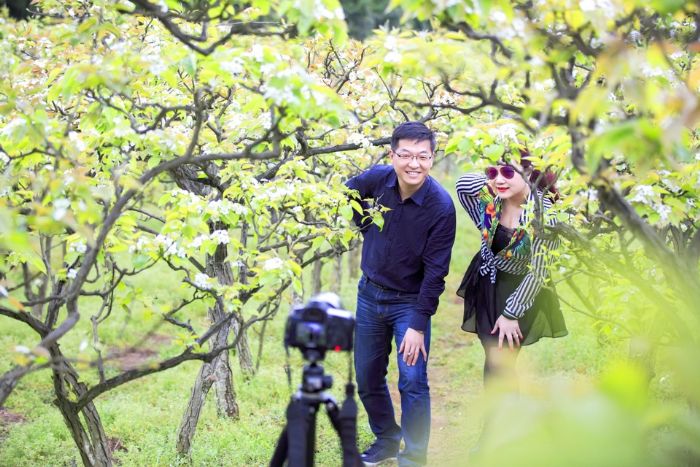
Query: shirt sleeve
[
  {"x": 469, "y": 188},
  {"x": 436, "y": 265},
  {"x": 524, "y": 295}
]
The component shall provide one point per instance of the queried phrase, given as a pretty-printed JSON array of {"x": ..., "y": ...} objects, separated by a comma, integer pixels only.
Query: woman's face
[{"x": 508, "y": 183}]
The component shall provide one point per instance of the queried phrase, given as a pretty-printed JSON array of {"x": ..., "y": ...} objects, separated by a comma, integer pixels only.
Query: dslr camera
[{"x": 318, "y": 326}]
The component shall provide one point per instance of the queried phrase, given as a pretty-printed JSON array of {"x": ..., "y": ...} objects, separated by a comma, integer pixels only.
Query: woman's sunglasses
[{"x": 506, "y": 170}]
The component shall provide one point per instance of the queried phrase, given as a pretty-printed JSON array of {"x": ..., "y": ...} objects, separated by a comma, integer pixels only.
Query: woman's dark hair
[
  {"x": 545, "y": 181},
  {"x": 414, "y": 131}
]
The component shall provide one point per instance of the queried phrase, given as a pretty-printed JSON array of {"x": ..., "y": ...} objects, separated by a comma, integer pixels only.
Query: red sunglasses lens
[
  {"x": 507, "y": 171},
  {"x": 491, "y": 172}
]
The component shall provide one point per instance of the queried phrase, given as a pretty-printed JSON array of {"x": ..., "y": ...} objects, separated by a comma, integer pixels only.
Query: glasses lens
[
  {"x": 491, "y": 172},
  {"x": 507, "y": 171}
]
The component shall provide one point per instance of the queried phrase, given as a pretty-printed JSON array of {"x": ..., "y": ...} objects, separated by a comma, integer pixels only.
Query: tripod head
[{"x": 314, "y": 380}]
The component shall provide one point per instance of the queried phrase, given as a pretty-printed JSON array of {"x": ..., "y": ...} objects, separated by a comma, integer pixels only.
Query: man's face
[{"x": 412, "y": 161}]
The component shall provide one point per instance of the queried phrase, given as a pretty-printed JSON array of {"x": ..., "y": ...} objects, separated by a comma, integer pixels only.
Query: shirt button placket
[{"x": 392, "y": 232}]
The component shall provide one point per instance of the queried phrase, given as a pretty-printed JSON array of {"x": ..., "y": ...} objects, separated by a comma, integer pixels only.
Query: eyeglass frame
[{"x": 408, "y": 156}]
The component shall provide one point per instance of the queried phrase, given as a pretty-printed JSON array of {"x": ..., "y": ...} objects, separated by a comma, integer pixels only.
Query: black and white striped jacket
[{"x": 528, "y": 254}]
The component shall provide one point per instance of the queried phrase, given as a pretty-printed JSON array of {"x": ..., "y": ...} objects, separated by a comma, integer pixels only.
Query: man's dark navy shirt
[{"x": 411, "y": 253}]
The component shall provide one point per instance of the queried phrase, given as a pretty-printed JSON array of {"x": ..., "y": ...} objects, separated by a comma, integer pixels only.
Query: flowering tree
[
  {"x": 207, "y": 142},
  {"x": 133, "y": 143},
  {"x": 606, "y": 93}
]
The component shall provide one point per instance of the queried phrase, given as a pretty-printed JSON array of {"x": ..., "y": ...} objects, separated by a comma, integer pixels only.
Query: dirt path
[
  {"x": 454, "y": 373},
  {"x": 455, "y": 385}
]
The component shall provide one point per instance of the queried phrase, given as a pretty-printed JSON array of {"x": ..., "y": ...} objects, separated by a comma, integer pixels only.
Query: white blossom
[
  {"x": 10, "y": 127},
  {"x": 22, "y": 349},
  {"x": 267, "y": 68},
  {"x": 392, "y": 57},
  {"x": 122, "y": 127},
  {"x": 234, "y": 66},
  {"x": 163, "y": 6},
  {"x": 198, "y": 240},
  {"x": 657, "y": 72},
  {"x": 504, "y": 133},
  {"x": 359, "y": 139},
  {"x": 4, "y": 158},
  {"x": 239, "y": 209},
  {"x": 201, "y": 280},
  {"x": 643, "y": 194},
  {"x": 3, "y": 291},
  {"x": 670, "y": 184},
  {"x": 592, "y": 194},
  {"x": 60, "y": 208},
  {"x": 663, "y": 211},
  {"x": 543, "y": 85},
  {"x": 68, "y": 177},
  {"x": 257, "y": 52},
  {"x": 169, "y": 246},
  {"x": 272, "y": 263},
  {"x": 221, "y": 237},
  {"x": 140, "y": 245},
  {"x": 278, "y": 192},
  {"x": 72, "y": 273},
  {"x": 78, "y": 247}
]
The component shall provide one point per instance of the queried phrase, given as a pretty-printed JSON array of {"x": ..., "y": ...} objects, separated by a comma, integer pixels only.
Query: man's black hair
[{"x": 414, "y": 131}]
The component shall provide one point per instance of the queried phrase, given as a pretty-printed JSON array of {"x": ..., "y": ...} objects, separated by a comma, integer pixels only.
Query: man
[{"x": 404, "y": 265}]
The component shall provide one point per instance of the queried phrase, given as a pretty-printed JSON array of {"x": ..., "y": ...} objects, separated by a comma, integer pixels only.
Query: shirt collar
[{"x": 419, "y": 196}]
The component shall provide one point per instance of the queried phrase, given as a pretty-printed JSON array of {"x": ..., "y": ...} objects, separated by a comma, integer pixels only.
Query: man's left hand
[{"x": 411, "y": 345}]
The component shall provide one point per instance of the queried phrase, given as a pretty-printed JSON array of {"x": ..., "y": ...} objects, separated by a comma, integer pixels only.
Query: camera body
[{"x": 320, "y": 325}]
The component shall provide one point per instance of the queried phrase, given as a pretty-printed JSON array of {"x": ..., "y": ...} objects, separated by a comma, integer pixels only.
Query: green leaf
[{"x": 346, "y": 211}]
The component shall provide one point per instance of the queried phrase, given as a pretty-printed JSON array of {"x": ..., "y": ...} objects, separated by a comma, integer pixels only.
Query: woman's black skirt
[{"x": 484, "y": 302}]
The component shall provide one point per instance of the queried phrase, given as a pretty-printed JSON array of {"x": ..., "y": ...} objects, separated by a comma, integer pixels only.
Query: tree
[
  {"x": 207, "y": 142},
  {"x": 607, "y": 94},
  {"x": 129, "y": 145}
]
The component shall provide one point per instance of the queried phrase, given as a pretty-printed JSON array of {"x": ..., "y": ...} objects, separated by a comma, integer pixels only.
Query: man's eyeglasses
[
  {"x": 407, "y": 156},
  {"x": 506, "y": 170}
]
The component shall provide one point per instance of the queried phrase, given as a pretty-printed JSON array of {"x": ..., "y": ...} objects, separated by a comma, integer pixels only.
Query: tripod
[{"x": 297, "y": 441}]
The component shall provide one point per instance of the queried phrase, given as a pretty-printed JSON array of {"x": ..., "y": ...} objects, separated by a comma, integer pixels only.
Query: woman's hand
[{"x": 508, "y": 328}]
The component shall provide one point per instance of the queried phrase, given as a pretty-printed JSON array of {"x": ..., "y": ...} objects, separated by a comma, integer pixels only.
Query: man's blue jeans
[{"x": 381, "y": 315}]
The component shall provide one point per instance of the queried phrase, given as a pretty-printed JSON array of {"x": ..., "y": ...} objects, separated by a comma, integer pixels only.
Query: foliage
[{"x": 208, "y": 142}]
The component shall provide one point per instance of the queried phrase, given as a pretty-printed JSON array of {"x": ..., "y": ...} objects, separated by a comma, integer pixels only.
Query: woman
[{"x": 504, "y": 290}]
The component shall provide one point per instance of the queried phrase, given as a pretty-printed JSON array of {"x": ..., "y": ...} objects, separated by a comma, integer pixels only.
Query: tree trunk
[
  {"x": 188, "y": 424},
  {"x": 316, "y": 283},
  {"x": 218, "y": 266},
  {"x": 8, "y": 381},
  {"x": 245, "y": 357},
  {"x": 91, "y": 443},
  {"x": 354, "y": 263},
  {"x": 338, "y": 274},
  {"x": 218, "y": 372}
]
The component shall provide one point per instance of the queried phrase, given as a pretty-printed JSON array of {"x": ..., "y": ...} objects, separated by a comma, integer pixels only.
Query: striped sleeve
[
  {"x": 524, "y": 295},
  {"x": 469, "y": 188}
]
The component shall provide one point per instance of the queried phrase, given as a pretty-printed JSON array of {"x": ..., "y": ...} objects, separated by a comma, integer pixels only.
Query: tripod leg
[
  {"x": 281, "y": 450},
  {"x": 311, "y": 435},
  {"x": 345, "y": 423},
  {"x": 301, "y": 419}
]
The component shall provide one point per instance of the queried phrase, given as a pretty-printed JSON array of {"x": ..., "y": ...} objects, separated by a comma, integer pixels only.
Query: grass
[{"x": 144, "y": 415}]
